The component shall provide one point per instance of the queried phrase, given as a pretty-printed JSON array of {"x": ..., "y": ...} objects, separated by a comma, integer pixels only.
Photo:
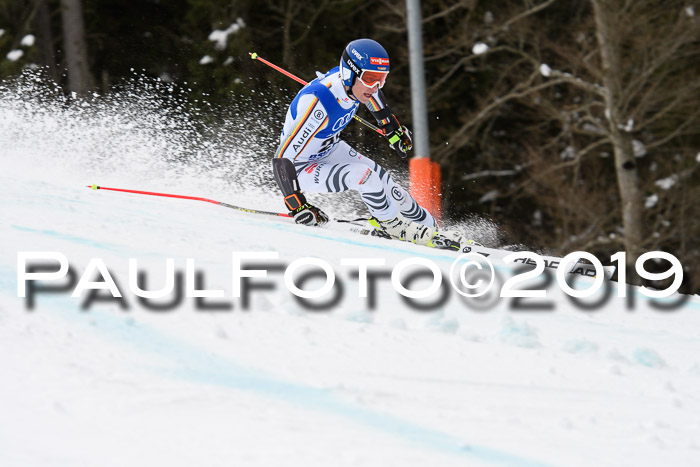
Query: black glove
[
  {"x": 400, "y": 141},
  {"x": 303, "y": 212},
  {"x": 309, "y": 215}
]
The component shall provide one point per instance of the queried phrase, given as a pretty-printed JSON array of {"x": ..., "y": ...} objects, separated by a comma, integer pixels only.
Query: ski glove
[
  {"x": 400, "y": 141},
  {"x": 309, "y": 215},
  {"x": 303, "y": 212}
]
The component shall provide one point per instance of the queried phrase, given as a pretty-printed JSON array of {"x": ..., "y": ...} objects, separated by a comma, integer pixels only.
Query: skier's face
[{"x": 363, "y": 93}]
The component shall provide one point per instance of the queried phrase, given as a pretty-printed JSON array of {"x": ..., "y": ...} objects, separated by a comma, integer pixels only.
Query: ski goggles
[{"x": 372, "y": 78}]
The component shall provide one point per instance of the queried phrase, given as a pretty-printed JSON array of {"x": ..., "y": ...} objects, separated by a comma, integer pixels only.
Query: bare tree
[
  {"x": 79, "y": 79},
  {"x": 642, "y": 76},
  {"x": 45, "y": 37},
  {"x": 297, "y": 18},
  {"x": 557, "y": 87}
]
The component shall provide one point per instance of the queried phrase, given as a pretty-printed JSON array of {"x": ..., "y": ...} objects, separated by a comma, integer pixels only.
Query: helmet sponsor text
[{"x": 379, "y": 61}]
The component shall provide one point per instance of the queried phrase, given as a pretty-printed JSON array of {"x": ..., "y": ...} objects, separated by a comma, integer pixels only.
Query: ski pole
[
  {"x": 194, "y": 198},
  {"x": 255, "y": 56}
]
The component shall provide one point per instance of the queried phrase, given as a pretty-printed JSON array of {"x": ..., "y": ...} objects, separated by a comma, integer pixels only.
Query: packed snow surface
[{"x": 539, "y": 382}]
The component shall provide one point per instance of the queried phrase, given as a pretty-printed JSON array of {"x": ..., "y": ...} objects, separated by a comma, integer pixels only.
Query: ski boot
[
  {"x": 463, "y": 244},
  {"x": 402, "y": 229}
]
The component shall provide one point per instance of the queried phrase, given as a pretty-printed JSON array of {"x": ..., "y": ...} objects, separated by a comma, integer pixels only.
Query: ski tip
[
  {"x": 253, "y": 55},
  {"x": 93, "y": 186}
]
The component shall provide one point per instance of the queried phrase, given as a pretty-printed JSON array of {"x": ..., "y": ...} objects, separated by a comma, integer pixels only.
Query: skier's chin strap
[{"x": 348, "y": 91}]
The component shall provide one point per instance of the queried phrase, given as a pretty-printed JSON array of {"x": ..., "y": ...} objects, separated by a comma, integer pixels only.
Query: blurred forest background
[{"x": 573, "y": 124}]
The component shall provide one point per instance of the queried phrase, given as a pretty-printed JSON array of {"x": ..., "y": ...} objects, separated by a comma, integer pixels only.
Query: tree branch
[
  {"x": 678, "y": 131},
  {"x": 317, "y": 12},
  {"x": 596, "y": 89},
  {"x": 497, "y": 102},
  {"x": 575, "y": 161},
  {"x": 526, "y": 13},
  {"x": 447, "y": 11}
]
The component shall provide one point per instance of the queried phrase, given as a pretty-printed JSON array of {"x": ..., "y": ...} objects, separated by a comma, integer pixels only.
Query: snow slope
[{"x": 478, "y": 383}]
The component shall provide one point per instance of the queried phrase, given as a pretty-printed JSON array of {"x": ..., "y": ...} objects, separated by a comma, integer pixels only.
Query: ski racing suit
[{"x": 326, "y": 164}]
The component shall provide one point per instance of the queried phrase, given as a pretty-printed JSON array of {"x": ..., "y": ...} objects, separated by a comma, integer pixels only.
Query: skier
[{"x": 312, "y": 157}]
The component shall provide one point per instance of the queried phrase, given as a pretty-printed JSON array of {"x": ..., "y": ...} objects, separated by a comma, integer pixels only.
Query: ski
[
  {"x": 362, "y": 227},
  {"x": 497, "y": 256}
]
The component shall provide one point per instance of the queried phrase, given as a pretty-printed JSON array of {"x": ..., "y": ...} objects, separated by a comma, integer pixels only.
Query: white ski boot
[
  {"x": 456, "y": 237},
  {"x": 402, "y": 229}
]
